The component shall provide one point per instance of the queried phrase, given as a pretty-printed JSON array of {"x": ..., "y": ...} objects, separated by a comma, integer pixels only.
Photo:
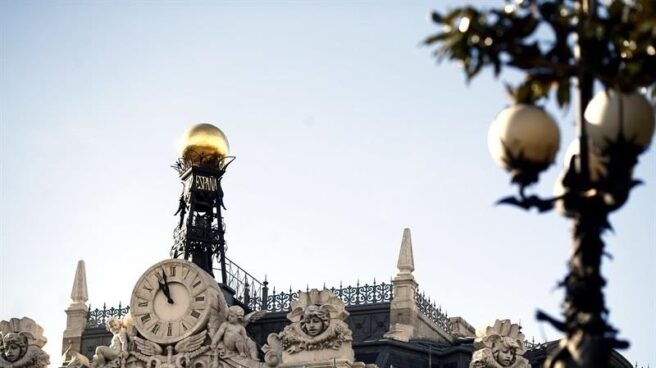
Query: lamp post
[{"x": 614, "y": 45}]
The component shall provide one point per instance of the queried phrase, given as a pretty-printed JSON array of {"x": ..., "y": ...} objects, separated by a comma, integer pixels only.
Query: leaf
[
  {"x": 523, "y": 93},
  {"x": 527, "y": 25},
  {"x": 436, "y": 17},
  {"x": 436, "y": 38},
  {"x": 494, "y": 58},
  {"x": 563, "y": 93},
  {"x": 548, "y": 10},
  {"x": 511, "y": 91},
  {"x": 473, "y": 68}
]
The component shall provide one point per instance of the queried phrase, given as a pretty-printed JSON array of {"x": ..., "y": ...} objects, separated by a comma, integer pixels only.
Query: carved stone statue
[
  {"x": 500, "y": 346},
  {"x": 231, "y": 337},
  {"x": 21, "y": 343},
  {"x": 112, "y": 356},
  {"x": 317, "y": 335},
  {"x": 117, "y": 349}
]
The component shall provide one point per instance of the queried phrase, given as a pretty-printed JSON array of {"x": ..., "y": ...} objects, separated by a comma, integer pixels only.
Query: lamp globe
[
  {"x": 611, "y": 115},
  {"x": 524, "y": 140}
]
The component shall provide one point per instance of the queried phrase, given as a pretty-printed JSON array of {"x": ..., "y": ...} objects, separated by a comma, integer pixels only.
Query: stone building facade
[{"x": 392, "y": 324}]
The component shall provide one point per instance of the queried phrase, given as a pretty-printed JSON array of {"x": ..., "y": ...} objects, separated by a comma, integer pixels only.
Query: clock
[{"x": 172, "y": 300}]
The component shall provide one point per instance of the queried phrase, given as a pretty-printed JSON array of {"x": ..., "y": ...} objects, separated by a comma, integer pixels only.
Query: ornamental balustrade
[
  {"x": 432, "y": 311},
  {"x": 258, "y": 298},
  {"x": 98, "y": 317},
  {"x": 255, "y": 295},
  {"x": 351, "y": 295}
]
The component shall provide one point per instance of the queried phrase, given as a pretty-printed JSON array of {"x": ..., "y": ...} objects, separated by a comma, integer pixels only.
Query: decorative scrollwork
[
  {"x": 202, "y": 159},
  {"x": 97, "y": 317},
  {"x": 350, "y": 295}
]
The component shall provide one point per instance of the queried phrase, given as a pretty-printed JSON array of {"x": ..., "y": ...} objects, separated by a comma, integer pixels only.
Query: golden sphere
[{"x": 203, "y": 141}]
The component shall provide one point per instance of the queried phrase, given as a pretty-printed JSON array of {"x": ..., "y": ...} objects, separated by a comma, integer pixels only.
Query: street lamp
[{"x": 581, "y": 43}]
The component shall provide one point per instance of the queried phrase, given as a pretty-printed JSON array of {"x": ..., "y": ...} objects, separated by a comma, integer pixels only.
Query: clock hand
[{"x": 164, "y": 286}]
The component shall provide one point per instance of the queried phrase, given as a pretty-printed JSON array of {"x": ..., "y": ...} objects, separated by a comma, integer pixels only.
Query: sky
[{"x": 345, "y": 129}]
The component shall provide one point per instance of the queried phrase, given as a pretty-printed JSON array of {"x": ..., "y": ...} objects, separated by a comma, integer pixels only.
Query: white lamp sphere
[
  {"x": 525, "y": 131},
  {"x": 609, "y": 110},
  {"x": 595, "y": 163}
]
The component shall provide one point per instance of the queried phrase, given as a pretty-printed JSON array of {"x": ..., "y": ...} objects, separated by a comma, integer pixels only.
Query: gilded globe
[{"x": 202, "y": 142}]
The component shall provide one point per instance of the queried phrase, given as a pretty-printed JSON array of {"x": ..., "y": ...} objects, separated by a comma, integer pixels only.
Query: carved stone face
[
  {"x": 235, "y": 314},
  {"x": 114, "y": 326},
  {"x": 505, "y": 356},
  {"x": 314, "y": 326},
  {"x": 233, "y": 318},
  {"x": 12, "y": 352}
]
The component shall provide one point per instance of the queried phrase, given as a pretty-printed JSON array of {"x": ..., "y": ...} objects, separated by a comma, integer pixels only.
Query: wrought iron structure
[
  {"x": 248, "y": 290},
  {"x": 366, "y": 294},
  {"x": 98, "y": 317},
  {"x": 199, "y": 236},
  {"x": 432, "y": 311},
  {"x": 532, "y": 345}
]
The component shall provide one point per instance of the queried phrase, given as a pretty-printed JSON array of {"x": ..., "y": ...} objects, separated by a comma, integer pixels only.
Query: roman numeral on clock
[
  {"x": 195, "y": 314},
  {"x": 155, "y": 329},
  {"x": 145, "y": 318}
]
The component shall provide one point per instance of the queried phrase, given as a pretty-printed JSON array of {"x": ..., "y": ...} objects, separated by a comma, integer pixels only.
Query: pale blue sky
[{"x": 345, "y": 131}]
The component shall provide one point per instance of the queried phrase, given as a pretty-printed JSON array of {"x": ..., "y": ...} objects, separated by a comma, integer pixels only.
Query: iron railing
[
  {"x": 432, "y": 311},
  {"x": 351, "y": 295},
  {"x": 532, "y": 345},
  {"x": 98, "y": 317},
  {"x": 248, "y": 289}
]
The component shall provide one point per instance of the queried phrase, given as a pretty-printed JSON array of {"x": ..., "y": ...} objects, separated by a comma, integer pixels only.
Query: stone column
[
  {"x": 403, "y": 309},
  {"x": 76, "y": 314}
]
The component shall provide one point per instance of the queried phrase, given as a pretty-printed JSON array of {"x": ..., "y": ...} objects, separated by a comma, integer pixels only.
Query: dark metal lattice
[
  {"x": 433, "y": 312},
  {"x": 532, "y": 345},
  {"x": 248, "y": 289},
  {"x": 98, "y": 317},
  {"x": 350, "y": 295}
]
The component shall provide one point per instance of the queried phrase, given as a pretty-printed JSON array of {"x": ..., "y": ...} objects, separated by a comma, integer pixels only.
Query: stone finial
[
  {"x": 406, "y": 262},
  {"x": 79, "y": 294},
  {"x": 76, "y": 314}
]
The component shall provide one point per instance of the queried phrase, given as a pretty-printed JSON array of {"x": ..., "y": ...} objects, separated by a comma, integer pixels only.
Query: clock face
[{"x": 166, "y": 319}]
